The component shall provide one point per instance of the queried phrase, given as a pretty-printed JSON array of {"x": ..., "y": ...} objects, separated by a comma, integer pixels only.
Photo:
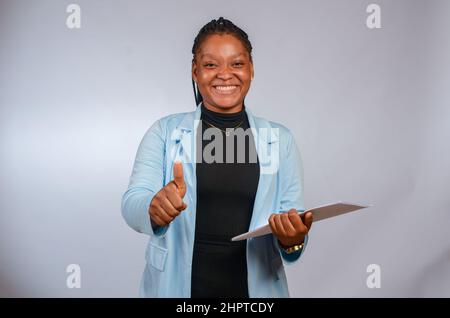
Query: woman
[{"x": 192, "y": 189}]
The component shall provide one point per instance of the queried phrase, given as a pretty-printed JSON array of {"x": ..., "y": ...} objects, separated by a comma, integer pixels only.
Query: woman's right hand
[{"x": 168, "y": 203}]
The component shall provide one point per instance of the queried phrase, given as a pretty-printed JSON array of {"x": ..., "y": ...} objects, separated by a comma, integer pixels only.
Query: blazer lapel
[{"x": 267, "y": 146}]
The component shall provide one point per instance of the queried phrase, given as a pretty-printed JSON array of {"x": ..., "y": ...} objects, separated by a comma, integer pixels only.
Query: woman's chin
[{"x": 226, "y": 102}]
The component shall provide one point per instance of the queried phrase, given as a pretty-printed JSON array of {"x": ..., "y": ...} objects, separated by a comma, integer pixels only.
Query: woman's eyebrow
[{"x": 212, "y": 56}]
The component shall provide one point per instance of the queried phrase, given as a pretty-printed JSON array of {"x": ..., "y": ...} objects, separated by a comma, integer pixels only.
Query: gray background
[{"x": 369, "y": 110}]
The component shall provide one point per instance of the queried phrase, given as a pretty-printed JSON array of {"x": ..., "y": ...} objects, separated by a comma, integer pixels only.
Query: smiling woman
[
  {"x": 222, "y": 67},
  {"x": 192, "y": 209}
]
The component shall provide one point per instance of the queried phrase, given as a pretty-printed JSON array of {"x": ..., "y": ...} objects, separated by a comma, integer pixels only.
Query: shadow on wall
[
  {"x": 7, "y": 288},
  {"x": 435, "y": 278}
]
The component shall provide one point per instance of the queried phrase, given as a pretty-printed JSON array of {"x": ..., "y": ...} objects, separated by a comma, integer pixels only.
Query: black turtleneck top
[{"x": 225, "y": 197}]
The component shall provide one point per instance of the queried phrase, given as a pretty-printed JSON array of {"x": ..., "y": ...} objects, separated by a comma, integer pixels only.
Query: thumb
[
  {"x": 178, "y": 178},
  {"x": 308, "y": 219}
]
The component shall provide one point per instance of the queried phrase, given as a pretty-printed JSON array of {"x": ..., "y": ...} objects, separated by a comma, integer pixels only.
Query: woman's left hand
[{"x": 290, "y": 228}]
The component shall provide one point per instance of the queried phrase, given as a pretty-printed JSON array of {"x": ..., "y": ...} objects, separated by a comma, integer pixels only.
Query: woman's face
[{"x": 223, "y": 72}]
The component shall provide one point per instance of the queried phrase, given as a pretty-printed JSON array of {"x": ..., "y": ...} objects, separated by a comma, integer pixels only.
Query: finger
[
  {"x": 158, "y": 220},
  {"x": 273, "y": 226},
  {"x": 178, "y": 177},
  {"x": 175, "y": 199},
  {"x": 279, "y": 224},
  {"x": 289, "y": 228},
  {"x": 169, "y": 208},
  {"x": 296, "y": 221},
  {"x": 163, "y": 215}
]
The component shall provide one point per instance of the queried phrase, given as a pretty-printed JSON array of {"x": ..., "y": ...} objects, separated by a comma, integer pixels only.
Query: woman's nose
[{"x": 224, "y": 73}]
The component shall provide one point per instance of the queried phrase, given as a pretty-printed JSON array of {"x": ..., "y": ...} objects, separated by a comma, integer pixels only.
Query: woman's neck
[{"x": 221, "y": 119}]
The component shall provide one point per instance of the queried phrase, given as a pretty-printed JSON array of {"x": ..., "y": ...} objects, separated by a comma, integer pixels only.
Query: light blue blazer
[{"x": 169, "y": 251}]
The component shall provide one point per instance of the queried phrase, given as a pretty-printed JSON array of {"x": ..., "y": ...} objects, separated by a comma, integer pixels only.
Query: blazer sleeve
[
  {"x": 291, "y": 174},
  {"x": 146, "y": 180}
]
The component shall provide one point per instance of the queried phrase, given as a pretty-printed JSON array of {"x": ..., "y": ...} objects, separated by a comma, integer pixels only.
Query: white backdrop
[{"x": 370, "y": 110}]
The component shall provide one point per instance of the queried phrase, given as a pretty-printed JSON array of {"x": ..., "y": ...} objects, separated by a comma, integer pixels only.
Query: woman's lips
[{"x": 225, "y": 89}]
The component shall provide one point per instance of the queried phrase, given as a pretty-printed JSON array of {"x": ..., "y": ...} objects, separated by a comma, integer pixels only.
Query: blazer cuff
[{"x": 293, "y": 257}]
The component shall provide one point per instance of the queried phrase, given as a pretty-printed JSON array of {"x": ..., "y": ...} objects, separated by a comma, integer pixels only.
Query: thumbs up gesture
[{"x": 168, "y": 203}]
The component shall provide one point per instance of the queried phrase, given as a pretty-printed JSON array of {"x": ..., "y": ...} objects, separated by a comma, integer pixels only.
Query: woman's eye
[
  {"x": 238, "y": 64},
  {"x": 209, "y": 65}
]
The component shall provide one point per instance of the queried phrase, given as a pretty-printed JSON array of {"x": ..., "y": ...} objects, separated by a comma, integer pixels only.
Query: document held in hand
[{"x": 319, "y": 213}]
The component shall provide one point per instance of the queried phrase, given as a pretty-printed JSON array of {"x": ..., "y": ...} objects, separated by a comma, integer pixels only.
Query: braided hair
[{"x": 219, "y": 26}]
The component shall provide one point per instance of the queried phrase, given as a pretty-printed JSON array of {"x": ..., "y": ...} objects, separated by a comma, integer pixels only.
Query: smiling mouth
[{"x": 225, "y": 89}]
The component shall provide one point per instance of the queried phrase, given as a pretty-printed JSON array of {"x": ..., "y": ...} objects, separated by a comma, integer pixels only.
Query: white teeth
[{"x": 225, "y": 88}]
